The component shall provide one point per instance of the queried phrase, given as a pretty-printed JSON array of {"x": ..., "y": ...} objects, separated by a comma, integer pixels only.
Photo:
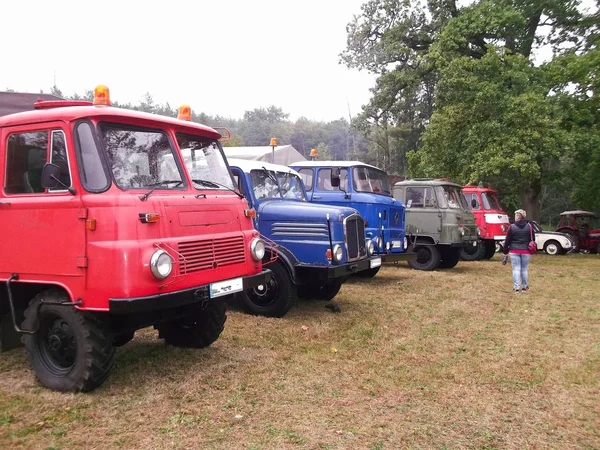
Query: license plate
[
  {"x": 226, "y": 287},
  {"x": 375, "y": 262},
  {"x": 396, "y": 244}
]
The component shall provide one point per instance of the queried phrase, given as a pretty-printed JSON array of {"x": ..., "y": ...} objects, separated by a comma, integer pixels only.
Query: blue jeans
[{"x": 520, "y": 272}]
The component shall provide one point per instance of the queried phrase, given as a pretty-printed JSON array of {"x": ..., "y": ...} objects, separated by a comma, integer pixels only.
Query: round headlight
[
  {"x": 257, "y": 249},
  {"x": 161, "y": 264},
  {"x": 370, "y": 247},
  {"x": 405, "y": 243},
  {"x": 388, "y": 246},
  {"x": 479, "y": 230},
  {"x": 504, "y": 228},
  {"x": 338, "y": 253},
  {"x": 379, "y": 242},
  {"x": 462, "y": 230}
]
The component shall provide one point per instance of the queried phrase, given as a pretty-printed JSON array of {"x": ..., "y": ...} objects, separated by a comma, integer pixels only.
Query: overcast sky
[{"x": 222, "y": 57}]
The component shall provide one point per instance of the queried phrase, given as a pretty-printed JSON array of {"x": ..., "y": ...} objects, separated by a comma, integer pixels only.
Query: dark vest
[{"x": 520, "y": 237}]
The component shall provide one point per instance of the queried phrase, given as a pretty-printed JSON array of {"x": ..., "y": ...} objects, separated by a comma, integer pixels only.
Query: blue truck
[
  {"x": 318, "y": 246},
  {"x": 366, "y": 188}
]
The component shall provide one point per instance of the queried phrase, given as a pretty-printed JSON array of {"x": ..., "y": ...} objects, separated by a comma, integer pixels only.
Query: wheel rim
[
  {"x": 551, "y": 249},
  {"x": 264, "y": 294},
  {"x": 423, "y": 255},
  {"x": 57, "y": 344}
]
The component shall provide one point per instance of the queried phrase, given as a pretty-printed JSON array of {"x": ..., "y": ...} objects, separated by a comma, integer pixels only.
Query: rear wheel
[
  {"x": 450, "y": 257},
  {"x": 553, "y": 248},
  {"x": 428, "y": 257},
  {"x": 202, "y": 325},
  {"x": 369, "y": 273},
  {"x": 489, "y": 248},
  {"x": 273, "y": 299},
  {"x": 72, "y": 350},
  {"x": 472, "y": 252}
]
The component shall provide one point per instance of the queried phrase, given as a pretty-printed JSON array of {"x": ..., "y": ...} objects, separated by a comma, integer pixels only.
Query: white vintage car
[{"x": 551, "y": 242}]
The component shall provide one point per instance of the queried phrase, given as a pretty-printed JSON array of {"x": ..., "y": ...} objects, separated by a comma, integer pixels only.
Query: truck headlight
[
  {"x": 379, "y": 242},
  {"x": 504, "y": 228},
  {"x": 462, "y": 230},
  {"x": 370, "y": 247},
  {"x": 405, "y": 242},
  {"x": 161, "y": 264},
  {"x": 388, "y": 246},
  {"x": 257, "y": 249},
  {"x": 338, "y": 253}
]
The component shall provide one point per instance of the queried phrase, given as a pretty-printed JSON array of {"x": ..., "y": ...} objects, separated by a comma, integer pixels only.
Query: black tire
[
  {"x": 499, "y": 247},
  {"x": 428, "y": 257},
  {"x": 553, "y": 248},
  {"x": 326, "y": 291},
  {"x": 73, "y": 350},
  {"x": 472, "y": 253},
  {"x": 123, "y": 338},
  {"x": 203, "y": 324},
  {"x": 275, "y": 298},
  {"x": 369, "y": 273},
  {"x": 450, "y": 257},
  {"x": 489, "y": 249}
]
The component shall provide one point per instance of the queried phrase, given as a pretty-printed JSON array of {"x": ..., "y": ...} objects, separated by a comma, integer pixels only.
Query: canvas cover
[
  {"x": 284, "y": 154},
  {"x": 15, "y": 102}
]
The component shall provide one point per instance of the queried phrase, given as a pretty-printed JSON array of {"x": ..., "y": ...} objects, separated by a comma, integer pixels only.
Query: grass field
[{"x": 448, "y": 359}]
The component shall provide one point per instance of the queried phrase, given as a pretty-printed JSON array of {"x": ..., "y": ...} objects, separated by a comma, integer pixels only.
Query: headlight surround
[
  {"x": 461, "y": 230},
  {"x": 405, "y": 243},
  {"x": 379, "y": 242},
  {"x": 504, "y": 228},
  {"x": 388, "y": 246},
  {"x": 161, "y": 264},
  {"x": 257, "y": 249},
  {"x": 370, "y": 247},
  {"x": 338, "y": 253}
]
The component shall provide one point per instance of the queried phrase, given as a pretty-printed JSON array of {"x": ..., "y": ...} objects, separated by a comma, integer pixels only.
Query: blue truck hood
[{"x": 286, "y": 210}]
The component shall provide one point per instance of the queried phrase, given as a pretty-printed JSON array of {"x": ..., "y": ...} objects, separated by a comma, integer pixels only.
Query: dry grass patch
[{"x": 449, "y": 359}]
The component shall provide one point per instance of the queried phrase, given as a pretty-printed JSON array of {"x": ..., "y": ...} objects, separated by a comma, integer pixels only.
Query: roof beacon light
[
  {"x": 273, "y": 142},
  {"x": 185, "y": 113},
  {"x": 101, "y": 95},
  {"x": 313, "y": 152}
]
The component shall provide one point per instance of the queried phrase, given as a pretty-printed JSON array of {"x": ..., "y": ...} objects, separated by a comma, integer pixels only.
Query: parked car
[
  {"x": 552, "y": 242},
  {"x": 582, "y": 226}
]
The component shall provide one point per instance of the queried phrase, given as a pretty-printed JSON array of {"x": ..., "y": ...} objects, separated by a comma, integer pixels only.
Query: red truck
[
  {"x": 104, "y": 232},
  {"x": 491, "y": 219}
]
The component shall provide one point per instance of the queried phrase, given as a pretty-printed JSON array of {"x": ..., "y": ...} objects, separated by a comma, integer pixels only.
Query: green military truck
[{"x": 438, "y": 222}]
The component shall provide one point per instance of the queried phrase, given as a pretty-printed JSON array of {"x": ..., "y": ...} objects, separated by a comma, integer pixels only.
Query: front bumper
[
  {"x": 311, "y": 272},
  {"x": 396, "y": 257},
  {"x": 178, "y": 298}
]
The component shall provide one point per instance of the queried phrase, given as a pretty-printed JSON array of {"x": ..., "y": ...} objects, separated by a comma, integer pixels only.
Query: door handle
[
  {"x": 317, "y": 196},
  {"x": 4, "y": 203}
]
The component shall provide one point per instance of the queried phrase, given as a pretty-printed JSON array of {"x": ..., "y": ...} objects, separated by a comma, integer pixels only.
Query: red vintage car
[{"x": 584, "y": 227}]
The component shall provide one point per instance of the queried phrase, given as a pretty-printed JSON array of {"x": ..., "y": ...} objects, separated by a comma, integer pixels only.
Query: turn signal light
[
  {"x": 90, "y": 224},
  {"x": 101, "y": 95},
  {"x": 328, "y": 254},
  {"x": 185, "y": 113},
  {"x": 251, "y": 213},
  {"x": 149, "y": 217}
]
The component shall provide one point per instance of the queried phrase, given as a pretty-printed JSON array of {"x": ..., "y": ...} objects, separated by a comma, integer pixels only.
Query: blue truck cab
[
  {"x": 365, "y": 188},
  {"x": 318, "y": 246}
]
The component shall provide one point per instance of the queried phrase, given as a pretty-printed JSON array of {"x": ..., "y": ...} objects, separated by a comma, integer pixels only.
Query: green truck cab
[{"x": 439, "y": 222}]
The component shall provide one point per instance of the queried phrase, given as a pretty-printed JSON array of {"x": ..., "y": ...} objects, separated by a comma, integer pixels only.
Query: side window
[
  {"x": 93, "y": 175},
  {"x": 58, "y": 156},
  {"x": 324, "y": 180},
  {"x": 238, "y": 181},
  {"x": 429, "y": 198},
  {"x": 307, "y": 178},
  {"x": 416, "y": 196},
  {"x": 26, "y": 154}
]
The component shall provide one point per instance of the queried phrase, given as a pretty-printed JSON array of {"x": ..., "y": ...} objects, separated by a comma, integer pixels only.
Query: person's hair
[{"x": 521, "y": 212}]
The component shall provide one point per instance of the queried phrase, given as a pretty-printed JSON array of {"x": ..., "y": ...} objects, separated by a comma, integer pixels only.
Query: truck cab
[
  {"x": 365, "y": 188},
  {"x": 318, "y": 246},
  {"x": 105, "y": 232},
  {"x": 438, "y": 222},
  {"x": 491, "y": 219}
]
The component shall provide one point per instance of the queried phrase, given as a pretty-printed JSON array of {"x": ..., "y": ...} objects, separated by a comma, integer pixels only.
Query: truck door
[
  {"x": 42, "y": 232},
  {"x": 324, "y": 192},
  {"x": 307, "y": 175},
  {"x": 422, "y": 212}
]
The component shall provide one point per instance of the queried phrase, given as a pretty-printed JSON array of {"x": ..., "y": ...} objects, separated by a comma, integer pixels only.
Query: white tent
[{"x": 284, "y": 154}]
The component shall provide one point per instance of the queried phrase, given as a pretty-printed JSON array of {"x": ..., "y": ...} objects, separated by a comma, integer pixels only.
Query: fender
[{"x": 287, "y": 258}]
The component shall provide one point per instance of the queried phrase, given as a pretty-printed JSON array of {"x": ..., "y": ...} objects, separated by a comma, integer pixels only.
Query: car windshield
[
  {"x": 536, "y": 227},
  {"x": 368, "y": 179},
  {"x": 270, "y": 184},
  {"x": 451, "y": 197},
  {"x": 489, "y": 200},
  {"x": 205, "y": 162},
  {"x": 135, "y": 158}
]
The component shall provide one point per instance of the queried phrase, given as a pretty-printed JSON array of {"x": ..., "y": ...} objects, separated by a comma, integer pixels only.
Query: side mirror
[
  {"x": 409, "y": 204},
  {"x": 335, "y": 177},
  {"x": 50, "y": 174}
]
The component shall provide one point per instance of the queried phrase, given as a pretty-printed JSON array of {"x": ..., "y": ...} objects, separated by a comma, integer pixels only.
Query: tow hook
[{"x": 201, "y": 296}]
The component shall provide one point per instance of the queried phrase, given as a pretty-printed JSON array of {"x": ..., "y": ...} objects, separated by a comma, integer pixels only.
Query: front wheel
[
  {"x": 472, "y": 252},
  {"x": 450, "y": 258},
  {"x": 552, "y": 248},
  {"x": 201, "y": 326},
  {"x": 368, "y": 273},
  {"x": 428, "y": 257},
  {"x": 489, "y": 248},
  {"x": 273, "y": 299},
  {"x": 72, "y": 350}
]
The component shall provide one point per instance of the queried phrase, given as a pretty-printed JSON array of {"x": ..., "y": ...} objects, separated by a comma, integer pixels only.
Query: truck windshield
[
  {"x": 289, "y": 185},
  {"x": 367, "y": 179},
  {"x": 136, "y": 158},
  {"x": 451, "y": 197},
  {"x": 489, "y": 200},
  {"x": 205, "y": 162}
]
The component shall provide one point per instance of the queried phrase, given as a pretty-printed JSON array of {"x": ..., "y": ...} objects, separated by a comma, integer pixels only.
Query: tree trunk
[{"x": 530, "y": 199}]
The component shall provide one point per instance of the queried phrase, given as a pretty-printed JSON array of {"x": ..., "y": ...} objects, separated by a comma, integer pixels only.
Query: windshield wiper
[
  {"x": 157, "y": 185},
  {"x": 215, "y": 185},
  {"x": 270, "y": 175}
]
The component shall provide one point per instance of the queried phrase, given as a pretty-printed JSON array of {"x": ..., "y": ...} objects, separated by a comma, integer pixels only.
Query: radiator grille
[
  {"x": 300, "y": 229},
  {"x": 355, "y": 237},
  {"x": 210, "y": 254}
]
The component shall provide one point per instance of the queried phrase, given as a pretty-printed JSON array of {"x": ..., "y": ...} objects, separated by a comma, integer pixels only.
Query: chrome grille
[
  {"x": 303, "y": 229},
  {"x": 354, "y": 227},
  {"x": 210, "y": 254}
]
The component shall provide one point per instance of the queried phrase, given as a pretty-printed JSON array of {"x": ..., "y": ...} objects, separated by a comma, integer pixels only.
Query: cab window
[
  {"x": 307, "y": 178},
  {"x": 420, "y": 197},
  {"x": 324, "y": 180},
  {"x": 473, "y": 201}
]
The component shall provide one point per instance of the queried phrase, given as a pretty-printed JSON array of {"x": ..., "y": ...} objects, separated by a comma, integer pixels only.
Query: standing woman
[{"x": 517, "y": 241}]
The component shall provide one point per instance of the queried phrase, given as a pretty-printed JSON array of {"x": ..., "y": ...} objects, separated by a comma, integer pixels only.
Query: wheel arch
[
  {"x": 24, "y": 292},
  {"x": 285, "y": 256}
]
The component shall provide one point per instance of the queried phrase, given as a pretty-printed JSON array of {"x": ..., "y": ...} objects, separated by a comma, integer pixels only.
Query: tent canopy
[
  {"x": 284, "y": 154},
  {"x": 15, "y": 102}
]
